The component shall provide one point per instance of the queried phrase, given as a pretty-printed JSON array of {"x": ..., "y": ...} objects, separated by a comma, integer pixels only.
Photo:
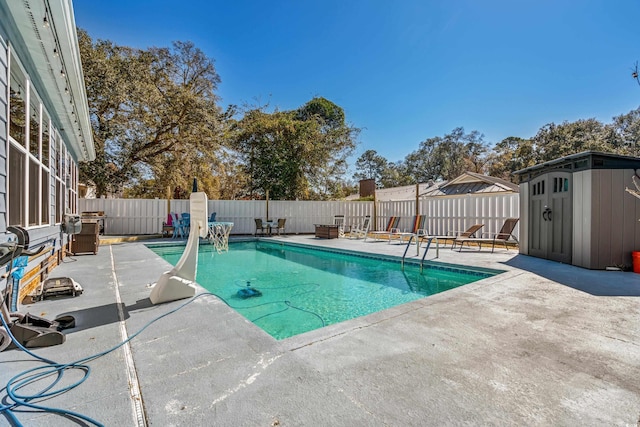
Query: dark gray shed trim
[{"x": 581, "y": 161}]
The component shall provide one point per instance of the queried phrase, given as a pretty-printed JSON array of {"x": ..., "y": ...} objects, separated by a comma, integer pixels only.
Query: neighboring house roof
[
  {"x": 471, "y": 183},
  {"x": 467, "y": 183},
  {"x": 43, "y": 33},
  {"x": 407, "y": 192}
]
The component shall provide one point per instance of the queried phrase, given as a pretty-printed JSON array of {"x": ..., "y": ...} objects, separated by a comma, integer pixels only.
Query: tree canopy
[
  {"x": 157, "y": 125},
  {"x": 154, "y": 115},
  {"x": 446, "y": 157},
  {"x": 299, "y": 154}
]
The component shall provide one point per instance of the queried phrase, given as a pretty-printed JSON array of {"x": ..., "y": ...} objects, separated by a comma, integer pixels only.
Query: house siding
[
  {"x": 4, "y": 111},
  {"x": 38, "y": 266}
]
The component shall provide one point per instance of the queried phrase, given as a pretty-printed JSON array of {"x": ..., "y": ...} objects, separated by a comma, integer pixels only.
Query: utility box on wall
[{"x": 575, "y": 210}]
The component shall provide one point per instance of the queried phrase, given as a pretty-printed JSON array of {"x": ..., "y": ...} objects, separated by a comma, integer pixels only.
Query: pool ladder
[{"x": 418, "y": 239}]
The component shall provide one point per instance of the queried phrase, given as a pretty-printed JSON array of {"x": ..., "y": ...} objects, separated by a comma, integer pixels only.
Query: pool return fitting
[{"x": 179, "y": 282}]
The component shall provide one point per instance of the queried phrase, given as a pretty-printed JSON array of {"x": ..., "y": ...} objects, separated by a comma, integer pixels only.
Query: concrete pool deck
[{"x": 541, "y": 344}]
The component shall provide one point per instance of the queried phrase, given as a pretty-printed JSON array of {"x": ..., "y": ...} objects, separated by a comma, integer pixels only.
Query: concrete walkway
[{"x": 541, "y": 344}]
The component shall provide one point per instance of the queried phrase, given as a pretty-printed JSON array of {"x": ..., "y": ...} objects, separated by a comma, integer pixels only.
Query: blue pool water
[{"x": 305, "y": 289}]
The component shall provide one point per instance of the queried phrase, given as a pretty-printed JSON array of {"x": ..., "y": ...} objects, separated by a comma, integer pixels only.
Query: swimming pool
[{"x": 303, "y": 289}]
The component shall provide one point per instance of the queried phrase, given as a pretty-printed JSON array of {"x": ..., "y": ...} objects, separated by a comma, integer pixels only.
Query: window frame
[{"x": 47, "y": 161}]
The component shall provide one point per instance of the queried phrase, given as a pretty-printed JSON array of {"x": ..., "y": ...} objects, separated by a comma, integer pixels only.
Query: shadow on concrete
[
  {"x": 88, "y": 318},
  {"x": 91, "y": 317},
  {"x": 140, "y": 304},
  {"x": 594, "y": 282}
]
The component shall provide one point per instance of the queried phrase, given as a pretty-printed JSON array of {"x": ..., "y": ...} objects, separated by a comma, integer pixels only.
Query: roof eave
[{"x": 50, "y": 54}]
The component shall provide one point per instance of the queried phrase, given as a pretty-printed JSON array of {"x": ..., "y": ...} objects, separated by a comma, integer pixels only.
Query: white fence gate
[{"x": 444, "y": 214}]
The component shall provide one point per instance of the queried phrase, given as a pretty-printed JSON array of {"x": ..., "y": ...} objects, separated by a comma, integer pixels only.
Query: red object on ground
[{"x": 636, "y": 261}]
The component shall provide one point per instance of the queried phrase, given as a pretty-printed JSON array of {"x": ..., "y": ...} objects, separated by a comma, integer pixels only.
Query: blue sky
[{"x": 403, "y": 71}]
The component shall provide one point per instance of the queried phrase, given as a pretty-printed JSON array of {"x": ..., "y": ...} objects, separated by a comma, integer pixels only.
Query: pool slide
[{"x": 179, "y": 282}]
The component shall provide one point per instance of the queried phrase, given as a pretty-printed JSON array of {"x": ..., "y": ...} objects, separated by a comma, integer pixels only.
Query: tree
[
  {"x": 396, "y": 175},
  {"x": 294, "y": 154},
  {"x": 509, "y": 155},
  {"x": 155, "y": 117},
  {"x": 423, "y": 164},
  {"x": 448, "y": 157},
  {"x": 626, "y": 131},
  {"x": 370, "y": 165},
  {"x": 553, "y": 141}
]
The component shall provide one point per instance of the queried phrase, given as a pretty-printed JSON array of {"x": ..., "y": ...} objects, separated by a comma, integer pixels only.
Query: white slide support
[{"x": 178, "y": 283}]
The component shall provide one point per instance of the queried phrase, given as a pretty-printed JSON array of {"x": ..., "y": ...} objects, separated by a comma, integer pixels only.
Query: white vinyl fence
[
  {"x": 444, "y": 214},
  {"x": 453, "y": 213}
]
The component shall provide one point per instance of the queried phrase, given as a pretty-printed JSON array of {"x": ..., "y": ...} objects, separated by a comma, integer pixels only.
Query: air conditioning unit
[{"x": 72, "y": 224}]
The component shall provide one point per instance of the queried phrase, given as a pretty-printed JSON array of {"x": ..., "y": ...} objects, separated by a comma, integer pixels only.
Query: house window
[
  {"x": 41, "y": 172},
  {"x": 17, "y": 190},
  {"x": 58, "y": 153},
  {"x": 46, "y": 138},
  {"x": 34, "y": 193},
  {"x": 17, "y": 110},
  {"x": 34, "y": 126}
]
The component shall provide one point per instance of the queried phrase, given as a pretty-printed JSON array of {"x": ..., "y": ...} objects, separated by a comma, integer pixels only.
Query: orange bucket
[{"x": 636, "y": 261}]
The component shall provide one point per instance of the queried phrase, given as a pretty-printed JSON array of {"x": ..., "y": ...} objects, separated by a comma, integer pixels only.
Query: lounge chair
[
  {"x": 453, "y": 235},
  {"x": 392, "y": 227},
  {"x": 504, "y": 235},
  {"x": 417, "y": 229},
  {"x": 360, "y": 231}
]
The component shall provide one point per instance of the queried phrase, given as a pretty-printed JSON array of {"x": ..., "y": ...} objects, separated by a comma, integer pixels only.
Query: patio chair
[
  {"x": 339, "y": 221},
  {"x": 453, "y": 235},
  {"x": 417, "y": 229},
  {"x": 167, "y": 226},
  {"x": 260, "y": 226},
  {"x": 360, "y": 231},
  {"x": 185, "y": 220},
  {"x": 504, "y": 235},
  {"x": 391, "y": 228},
  {"x": 179, "y": 229},
  {"x": 280, "y": 226}
]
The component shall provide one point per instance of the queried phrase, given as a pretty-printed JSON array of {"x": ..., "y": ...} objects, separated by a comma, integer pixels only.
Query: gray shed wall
[
  {"x": 524, "y": 218},
  {"x": 606, "y": 226},
  {"x": 615, "y": 229}
]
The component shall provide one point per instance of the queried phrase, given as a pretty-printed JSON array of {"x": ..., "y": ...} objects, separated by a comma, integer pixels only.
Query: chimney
[{"x": 367, "y": 187}]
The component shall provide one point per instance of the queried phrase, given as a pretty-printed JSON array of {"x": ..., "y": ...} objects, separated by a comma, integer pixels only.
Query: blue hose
[
  {"x": 29, "y": 377},
  {"x": 40, "y": 373}
]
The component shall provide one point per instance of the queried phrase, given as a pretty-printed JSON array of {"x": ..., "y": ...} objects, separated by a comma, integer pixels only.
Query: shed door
[{"x": 551, "y": 219}]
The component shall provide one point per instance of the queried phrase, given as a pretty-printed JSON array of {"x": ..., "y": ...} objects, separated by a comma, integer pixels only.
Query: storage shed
[{"x": 575, "y": 210}]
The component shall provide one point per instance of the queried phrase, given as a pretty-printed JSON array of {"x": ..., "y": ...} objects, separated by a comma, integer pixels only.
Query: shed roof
[{"x": 584, "y": 160}]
